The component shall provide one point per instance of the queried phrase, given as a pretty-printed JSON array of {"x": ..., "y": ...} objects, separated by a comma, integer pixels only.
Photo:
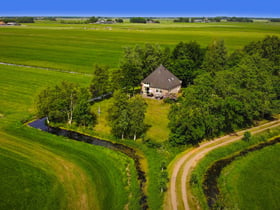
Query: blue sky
[{"x": 256, "y": 8}]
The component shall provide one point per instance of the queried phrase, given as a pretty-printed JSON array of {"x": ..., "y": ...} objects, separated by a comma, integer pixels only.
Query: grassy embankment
[
  {"x": 217, "y": 154},
  {"x": 253, "y": 181},
  {"x": 78, "y": 47},
  {"x": 39, "y": 170}
]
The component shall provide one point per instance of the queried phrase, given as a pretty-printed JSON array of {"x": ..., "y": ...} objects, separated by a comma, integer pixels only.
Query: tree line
[
  {"x": 18, "y": 19},
  {"x": 230, "y": 93}
]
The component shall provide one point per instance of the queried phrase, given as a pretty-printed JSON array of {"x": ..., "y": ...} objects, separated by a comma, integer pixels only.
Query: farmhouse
[{"x": 161, "y": 83}]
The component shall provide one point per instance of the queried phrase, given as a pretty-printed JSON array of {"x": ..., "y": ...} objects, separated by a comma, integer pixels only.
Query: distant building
[
  {"x": 13, "y": 24},
  {"x": 103, "y": 21},
  {"x": 161, "y": 83},
  {"x": 2, "y": 23}
]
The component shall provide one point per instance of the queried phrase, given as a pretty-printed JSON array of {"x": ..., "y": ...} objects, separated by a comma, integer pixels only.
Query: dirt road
[{"x": 177, "y": 196}]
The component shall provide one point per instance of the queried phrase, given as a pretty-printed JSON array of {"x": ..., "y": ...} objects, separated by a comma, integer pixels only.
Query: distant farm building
[
  {"x": 161, "y": 83},
  {"x": 2, "y": 23},
  {"x": 13, "y": 24}
]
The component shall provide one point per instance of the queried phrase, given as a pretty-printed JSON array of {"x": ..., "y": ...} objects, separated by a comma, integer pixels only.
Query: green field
[
  {"x": 253, "y": 181},
  {"x": 79, "y": 47},
  {"x": 43, "y": 171},
  {"x": 227, "y": 151}
]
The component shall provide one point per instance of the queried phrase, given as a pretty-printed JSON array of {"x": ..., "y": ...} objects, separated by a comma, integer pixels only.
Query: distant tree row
[
  {"x": 138, "y": 20},
  {"x": 231, "y": 92},
  {"x": 212, "y": 19},
  {"x": 18, "y": 19}
]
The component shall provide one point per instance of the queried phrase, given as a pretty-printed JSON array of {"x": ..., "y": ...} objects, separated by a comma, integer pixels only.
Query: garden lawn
[{"x": 156, "y": 117}]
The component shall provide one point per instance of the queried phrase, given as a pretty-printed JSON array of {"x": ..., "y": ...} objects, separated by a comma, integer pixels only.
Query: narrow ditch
[
  {"x": 40, "y": 124},
  {"x": 210, "y": 183}
]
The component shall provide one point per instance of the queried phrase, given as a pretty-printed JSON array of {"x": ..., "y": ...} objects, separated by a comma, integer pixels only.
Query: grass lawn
[
  {"x": 156, "y": 116},
  {"x": 253, "y": 181},
  {"x": 43, "y": 171},
  {"x": 78, "y": 47}
]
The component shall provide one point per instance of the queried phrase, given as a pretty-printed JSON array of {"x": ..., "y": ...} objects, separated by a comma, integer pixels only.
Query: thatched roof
[{"x": 162, "y": 78}]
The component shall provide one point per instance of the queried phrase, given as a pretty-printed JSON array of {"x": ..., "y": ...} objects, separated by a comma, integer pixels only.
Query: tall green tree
[
  {"x": 126, "y": 116},
  {"x": 215, "y": 57},
  {"x": 185, "y": 61},
  {"x": 58, "y": 103},
  {"x": 100, "y": 81},
  {"x": 137, "y": 108},
  {"x": 118, "y": 114},
  {"x": 65, "y": 103},
  {"x": 82, "y": 111}
]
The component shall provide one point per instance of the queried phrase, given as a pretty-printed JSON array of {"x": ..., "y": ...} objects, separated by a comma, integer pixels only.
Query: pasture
[
  {"x": 199, "y": 171},
  {"x": 253, "y": 182},
  {"x": 77, "y": 47},
  {"x": 53, "y": 172},
  {"x": 39, "y": 170}
]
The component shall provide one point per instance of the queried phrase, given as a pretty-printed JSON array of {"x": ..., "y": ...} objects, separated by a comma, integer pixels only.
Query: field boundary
[{"x": 44, "y": 68}]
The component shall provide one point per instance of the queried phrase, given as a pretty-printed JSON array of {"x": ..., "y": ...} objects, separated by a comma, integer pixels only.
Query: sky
[{"x": 147, "y": 8}]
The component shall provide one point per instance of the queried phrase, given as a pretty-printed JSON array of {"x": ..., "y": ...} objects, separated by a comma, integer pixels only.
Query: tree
[
  {"x": 58, "y": 103},
  {"x": 119, "y": 20},
  {"x": 82, "y": 114},
  {"x": 185, "y": 62},
  {"x": 100, "y": 81},
  {"x": 65, "y": 103},
  {"x": 215, "y": 57},
  {"x": 138, "y": 20},
  {"x": 137, "y": 108},
  {"x": 126, "y": 116},
  {"x": 118, "y": 115},
  {"x": 93, "y": 19},
  {"x": 247, "y": 136},
  {"x": 131, "y": 69}
]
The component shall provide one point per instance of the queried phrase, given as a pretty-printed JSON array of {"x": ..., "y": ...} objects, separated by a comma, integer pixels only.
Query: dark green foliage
[
  {"x": 182, "y": 20},
  {"x": 235, "y": 58},
  {"x": 131, "y": 71},
  {"x": 57, "y": 103},
  {"x": 93, "y": 19},
  {"x": 215, "y": 57},
  {"x": 185, "y": 61},
  {"x": 139, "y": 62},
  {"x": 100, "y": 81},
  {"x": 64, "y": 103},
  {"x": 119, "y": 20},
  {"x": 136, "y": 109},
  {"x": 82, "y": 114},
  {"x": 247, "y": 136},
  {"x": 18, "y": 19},
  {"x": 222, "y": 101},
  {"x": 126, "y": 116},
  {"x": 267, "y": 48},
  {"x": 138, "y": 20}
]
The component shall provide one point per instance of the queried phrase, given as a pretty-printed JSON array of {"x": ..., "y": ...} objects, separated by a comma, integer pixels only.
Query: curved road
[{"x": 182, "y": 167}]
